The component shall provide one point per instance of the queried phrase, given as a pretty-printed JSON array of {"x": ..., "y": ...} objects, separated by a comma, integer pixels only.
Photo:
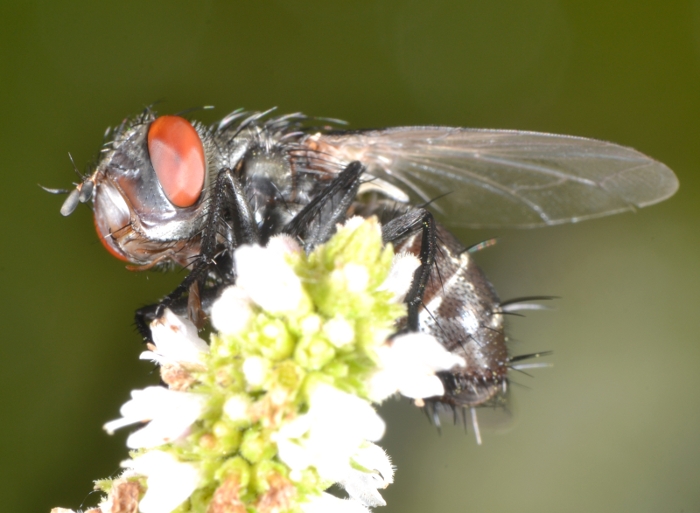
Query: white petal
[
  {"x": 419, "y": 387},
  {"x": 356, "y": 277},
  {"x": 348, "y": 413},
  {"x": 176, "y": 341},
  {"x": 353, "y": 223},
  {"x": 232, "y": 311},
  {"x": 339, "y": 332},
  {"x": 170, "y": 413},
  {"x": 295, "y": 428},
  {"x": 326, "y": 503},
  {"x": 400, "y": 275},
  {"x": 383, "y": 384},
  {"x": 283, "y": 244},
  {"x": 113, "y": 425},
  {"x": 295, "y": 455},
  {"x": 169, "y": 481},
  {"x": 290, "y": 449},
  {"x": 362, "y": 486},
  {"x": 374, "y": 458},
  {"x": 409, "y": 364},
  {"x": 236, "y": 408},
  {"x": 268, "y": 279},
  {"x": 254, "y": 370},
  {"x": 311, "y": 324},
  {"x": 423, "y": 349},
  {"x": 329, "y": 434}
]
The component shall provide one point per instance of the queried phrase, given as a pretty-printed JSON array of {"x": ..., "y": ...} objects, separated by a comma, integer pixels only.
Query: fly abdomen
[{"x": 461, "y": 309}]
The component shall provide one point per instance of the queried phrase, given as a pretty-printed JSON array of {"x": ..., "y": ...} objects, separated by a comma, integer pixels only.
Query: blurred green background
[{"x": 613, "y": 426}]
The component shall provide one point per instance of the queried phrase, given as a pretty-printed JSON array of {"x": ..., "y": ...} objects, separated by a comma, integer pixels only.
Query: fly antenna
[{"x": 71, "y": 202}]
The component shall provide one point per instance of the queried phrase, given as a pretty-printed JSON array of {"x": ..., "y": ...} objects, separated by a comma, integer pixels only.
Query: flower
[
  {"x": 254, "y": 370},
  {"x": 267, "y": 278},
  {"x": 236, "y": 407},
  {"x": 332, "y": 431},
  {"x": 400, "y": 277},
  {"x": 280, "y": 407},
  {"x": 356, "y": 277},
  {"x": 176, "y": 341},
  {"x": 231, "y": 313},
  {"x": 170, "y": 413},
  {"x": 362, "y": 485},
  {"x": 169, "y": 480},
  {"x": 339, "y": 332},
  {"x": 408, "y": 364}
]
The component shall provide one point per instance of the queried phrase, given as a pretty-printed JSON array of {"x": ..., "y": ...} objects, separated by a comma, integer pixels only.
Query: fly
[{"x": 170, "y": 192}]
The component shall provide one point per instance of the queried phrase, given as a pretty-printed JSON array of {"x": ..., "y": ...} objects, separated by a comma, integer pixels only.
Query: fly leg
[
  {"x": 145, "y": 315},
  {"x": 417, "y": 219},
  {"x": 227, "y": 204},
  {"x": 315, "y": 223}
]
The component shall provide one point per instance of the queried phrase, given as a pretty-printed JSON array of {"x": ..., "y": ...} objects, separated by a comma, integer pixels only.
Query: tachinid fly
[{"x": 169, "y": 191}]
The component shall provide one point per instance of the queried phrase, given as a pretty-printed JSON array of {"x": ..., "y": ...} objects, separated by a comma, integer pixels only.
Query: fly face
[
  {"x": 147, "y": 191},
  {"x": 168, "y": 191}
]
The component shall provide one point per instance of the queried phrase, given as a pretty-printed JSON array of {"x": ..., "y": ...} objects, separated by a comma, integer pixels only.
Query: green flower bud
[
  {"x": 313, "y": 353},
  {"x": 256, "y": 446}
]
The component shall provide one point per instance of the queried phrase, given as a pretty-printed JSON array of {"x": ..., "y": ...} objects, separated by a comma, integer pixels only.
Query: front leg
[
  {"x": 181, "y": 307},
  {"x": 228, "y": 212}
]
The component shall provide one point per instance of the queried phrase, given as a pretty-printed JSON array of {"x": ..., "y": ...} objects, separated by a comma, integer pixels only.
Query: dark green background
[{"x": 613, "y": 427}]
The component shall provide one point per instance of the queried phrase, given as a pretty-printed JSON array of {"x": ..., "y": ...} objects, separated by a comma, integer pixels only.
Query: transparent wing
[{"x": 498, "y": 178}]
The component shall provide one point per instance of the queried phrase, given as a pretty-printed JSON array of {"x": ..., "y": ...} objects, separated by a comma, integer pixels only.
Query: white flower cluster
[{"x": 283, "y": 398}]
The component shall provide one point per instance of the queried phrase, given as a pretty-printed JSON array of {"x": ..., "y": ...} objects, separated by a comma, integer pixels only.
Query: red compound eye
[{"x": 177, "y": 156}]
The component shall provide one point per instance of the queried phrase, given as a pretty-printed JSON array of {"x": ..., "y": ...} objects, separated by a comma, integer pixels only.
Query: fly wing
[{"x": 499, "y": 178}]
